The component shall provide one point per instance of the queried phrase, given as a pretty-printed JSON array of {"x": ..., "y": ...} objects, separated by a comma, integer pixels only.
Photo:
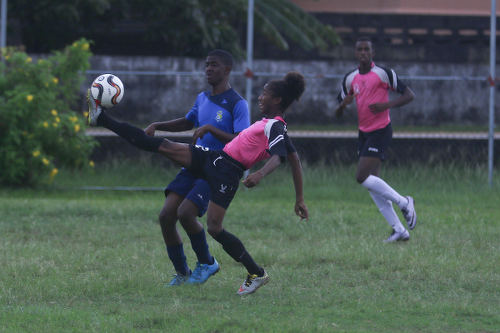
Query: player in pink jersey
[
  {"x": 369, "y": 84},
  {"x": 223, "y": 169}
]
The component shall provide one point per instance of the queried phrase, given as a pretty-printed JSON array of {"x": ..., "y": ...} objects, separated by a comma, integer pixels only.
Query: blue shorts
[
  {"x": 374, "y": 144},
  {"x": 222, "y": 173},
  {"x": 188, "y": 186}
]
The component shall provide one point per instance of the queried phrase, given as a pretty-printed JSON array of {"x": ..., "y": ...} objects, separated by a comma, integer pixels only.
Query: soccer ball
[{"x": 107, "y": 89}]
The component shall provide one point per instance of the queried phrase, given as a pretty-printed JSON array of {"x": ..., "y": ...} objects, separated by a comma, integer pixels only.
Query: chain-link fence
[{"x": 446, "y": 123}]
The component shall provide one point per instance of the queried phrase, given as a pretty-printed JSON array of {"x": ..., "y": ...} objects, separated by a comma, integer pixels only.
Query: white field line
[{"x": 102, "y": 132}]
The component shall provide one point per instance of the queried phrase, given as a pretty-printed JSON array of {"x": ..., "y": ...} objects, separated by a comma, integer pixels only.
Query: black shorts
[
  {"x": 188, "y": 186},
  {"x": 222, "y": 173},
  {"x": 374, "y": 144}
]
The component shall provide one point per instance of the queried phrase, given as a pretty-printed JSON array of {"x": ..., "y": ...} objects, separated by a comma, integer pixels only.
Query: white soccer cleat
[
  {"x": 94, "y": 109},
  {"x": 252, "y": 283},
  {"x": 409, "y": 213},
  {"x": 398, "y": 236}
]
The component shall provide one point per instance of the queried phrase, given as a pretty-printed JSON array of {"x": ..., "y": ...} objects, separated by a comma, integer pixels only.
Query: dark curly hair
[{"x": 290, "y": 88}]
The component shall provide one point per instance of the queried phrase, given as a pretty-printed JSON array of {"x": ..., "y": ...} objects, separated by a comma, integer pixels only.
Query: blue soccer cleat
[
  {"x": 202, "y": 272},
  {"x": 178, "y": 280}
]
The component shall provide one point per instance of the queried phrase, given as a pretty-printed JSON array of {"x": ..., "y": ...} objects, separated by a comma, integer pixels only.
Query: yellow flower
[
  {"x": 57, "y": 119},
  {"x": 29, "y": 59},
  {"x": 54, "y": 112},
  {"x": 55, "y": 80},
  {"x": 45, "y": 161},
  {"x": 7, "y": 57},
  {"x": 54, "y": 124},
  {"x": 85, "y": 114},
  {"x": 73, "y": 119},
  {"x": 85, "y": 46},
  {"x": 29, "y": 98},
  {"x": 75, "y": 44},
  {"x": 77, "y": 128},
  {"x": 36, "y": 153},
  {"x": 53, "y": 173},
  {"x": 91, "y": 164},
  {"x": 45, "y": 124}
]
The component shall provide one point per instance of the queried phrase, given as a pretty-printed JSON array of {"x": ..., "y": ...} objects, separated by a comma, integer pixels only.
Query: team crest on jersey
[
  {"x": 218, "y": 117},
  {"x": 356, "y": 89}
]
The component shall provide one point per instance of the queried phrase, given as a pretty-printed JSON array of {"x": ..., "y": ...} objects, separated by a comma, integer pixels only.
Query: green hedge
[{"x": 39, "y": 129}]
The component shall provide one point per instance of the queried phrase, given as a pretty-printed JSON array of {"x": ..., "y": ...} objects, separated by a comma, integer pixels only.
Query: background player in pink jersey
[
  {"x": 369, "y": 84},
  {"x": 223, "y": 169}
]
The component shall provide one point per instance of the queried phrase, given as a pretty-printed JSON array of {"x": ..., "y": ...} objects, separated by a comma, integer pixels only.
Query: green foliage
[
  {"x": 39, "y": 131},
  {"x": 277, "y": 19},
  {"x": 180, "y": 28}
]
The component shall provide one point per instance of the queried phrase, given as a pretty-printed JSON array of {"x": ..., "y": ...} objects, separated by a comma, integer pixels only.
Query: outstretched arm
[
  {"x": 175, "y": 125},
  {"x": 300, "y": 206},
  {"x": 254, "y": 178},
  {"x": 221, "y": 135}
]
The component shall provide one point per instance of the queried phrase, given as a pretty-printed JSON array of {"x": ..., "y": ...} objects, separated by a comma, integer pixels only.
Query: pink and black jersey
[
  {"x": 258, "y": 142},
  {"x": 369, "y": 88}
]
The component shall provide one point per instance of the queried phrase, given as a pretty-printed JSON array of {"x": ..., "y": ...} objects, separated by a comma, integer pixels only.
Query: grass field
[{"x": 94, "y": 261}]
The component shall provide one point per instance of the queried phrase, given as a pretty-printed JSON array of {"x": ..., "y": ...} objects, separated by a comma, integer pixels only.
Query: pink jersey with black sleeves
[
  {"x": 370, "y": 88},
  {"x": 258, "y": 142}
]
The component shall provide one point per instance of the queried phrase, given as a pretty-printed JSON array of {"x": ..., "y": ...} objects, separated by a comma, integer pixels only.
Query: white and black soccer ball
[{"x": 107, "y": 89}]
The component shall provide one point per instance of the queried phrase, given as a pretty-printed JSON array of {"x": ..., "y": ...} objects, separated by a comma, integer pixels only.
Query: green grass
[{"x": 94, "y": 261}]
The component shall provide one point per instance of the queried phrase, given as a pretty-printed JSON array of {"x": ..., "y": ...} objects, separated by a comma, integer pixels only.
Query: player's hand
[
  {"x": 301, "y": 210},
  {"x": 378, "y": 107},
  {"x": 339, "y": 112},
  {"x": 150, "y": 130},
  {"x": 200, "y": 132},
  {"x": 252, "y": 180},
  {"x": 348, "y": 99}
]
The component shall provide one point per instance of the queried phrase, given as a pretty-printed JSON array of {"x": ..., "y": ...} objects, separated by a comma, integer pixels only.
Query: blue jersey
[{"x": 227, "y": 111}]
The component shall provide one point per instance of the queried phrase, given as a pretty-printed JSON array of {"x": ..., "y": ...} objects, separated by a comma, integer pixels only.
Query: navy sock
[
  {"x": 200, "y": 247},
  {"x": 234, "y": 247},
  {"x": 176, "y": 255},
  {"x": 133, "y": 135}
]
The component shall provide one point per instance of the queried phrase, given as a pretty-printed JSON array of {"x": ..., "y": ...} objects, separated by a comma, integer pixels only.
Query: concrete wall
[{"x": 161, "y": 97}]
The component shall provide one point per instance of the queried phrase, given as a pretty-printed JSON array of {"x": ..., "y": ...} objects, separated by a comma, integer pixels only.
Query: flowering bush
[{"x": 39, "y": 131}]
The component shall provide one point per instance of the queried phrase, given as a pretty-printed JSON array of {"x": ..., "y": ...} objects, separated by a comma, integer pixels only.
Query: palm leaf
[
  {"x": 199, "y": 19},
  {"x": 269, "y": 29},
  {"x": 284, "y": 25},
  {"x": 298, "y": 25}
]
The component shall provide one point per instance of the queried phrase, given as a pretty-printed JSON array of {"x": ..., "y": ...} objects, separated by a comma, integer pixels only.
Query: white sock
[
  {"x": 385, "y": 207},
  {"x": 377, "y": 185}
]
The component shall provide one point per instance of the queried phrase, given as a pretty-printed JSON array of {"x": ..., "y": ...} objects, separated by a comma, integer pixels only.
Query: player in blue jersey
[{"x": 218, "y": 116}]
